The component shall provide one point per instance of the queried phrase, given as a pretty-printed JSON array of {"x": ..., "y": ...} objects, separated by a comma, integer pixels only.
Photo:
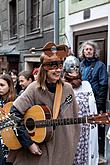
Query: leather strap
[{"x": 57, "y": 100}]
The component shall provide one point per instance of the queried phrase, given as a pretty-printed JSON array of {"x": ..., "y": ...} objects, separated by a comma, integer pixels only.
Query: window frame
[
  {"x": 1, "y": 36},
  {"x": 37, "y": 32},
  {"x": 9, "y": 25}
]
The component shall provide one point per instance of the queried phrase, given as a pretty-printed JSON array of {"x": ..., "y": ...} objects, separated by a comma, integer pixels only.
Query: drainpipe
[{"x": 56, "y": 21}]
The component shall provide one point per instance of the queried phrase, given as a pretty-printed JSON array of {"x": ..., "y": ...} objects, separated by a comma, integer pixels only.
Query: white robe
[{"x": 85, "y": 98}]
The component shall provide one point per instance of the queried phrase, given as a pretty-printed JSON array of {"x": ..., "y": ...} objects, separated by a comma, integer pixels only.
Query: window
[
  {"x": 13, "y": 18},
  {"x": 33, "y": 16}
]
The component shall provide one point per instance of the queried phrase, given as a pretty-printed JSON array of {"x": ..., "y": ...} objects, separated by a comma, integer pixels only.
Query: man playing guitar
[{"x": 60, "y": 148}]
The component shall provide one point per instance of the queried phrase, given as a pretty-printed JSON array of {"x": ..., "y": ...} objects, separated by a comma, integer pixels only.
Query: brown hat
[{"x": 52, "y": 52}]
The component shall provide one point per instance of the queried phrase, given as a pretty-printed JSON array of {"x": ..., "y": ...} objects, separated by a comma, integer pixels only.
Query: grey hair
[
  {"x": 69, "y": 62},
  {"x": 93, "y": 44}
]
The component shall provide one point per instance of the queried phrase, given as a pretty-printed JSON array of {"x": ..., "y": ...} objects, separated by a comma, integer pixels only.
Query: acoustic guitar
[
  {"x": 39, "y": 124},
  {"x": 9, "y": 123}
]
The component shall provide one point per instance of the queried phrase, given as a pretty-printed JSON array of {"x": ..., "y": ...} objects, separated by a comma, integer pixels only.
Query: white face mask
[{"x": 71, "y": 64}]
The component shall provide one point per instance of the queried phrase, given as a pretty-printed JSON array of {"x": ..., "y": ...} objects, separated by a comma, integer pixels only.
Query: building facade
[
  {"x": 24, "y": 24},
  {"x": 30, "y": 23}
]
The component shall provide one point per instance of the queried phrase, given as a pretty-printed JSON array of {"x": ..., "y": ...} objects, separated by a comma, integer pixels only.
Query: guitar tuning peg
[
  {"x": 6, "y": 116},
  {"x": 6, "y": 129},
  {"x": 15, "y": 131},
  {"x": 101, "y": 112},
  {"x": 9, "y": 113},
  {"x": 102, "y": 125},
  {"x": 3, "y": 117}
]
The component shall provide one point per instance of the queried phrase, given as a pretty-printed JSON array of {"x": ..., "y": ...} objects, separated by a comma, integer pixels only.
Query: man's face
[
  {"x": 54, "y": 71},
  {"x": 88, "y": 51},
  {"x": 24, "y": 82},
  {"x": 53, "y": 75}
]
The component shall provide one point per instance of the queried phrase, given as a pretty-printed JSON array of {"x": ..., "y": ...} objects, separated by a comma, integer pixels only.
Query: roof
[{"x": 9, "y": 50}]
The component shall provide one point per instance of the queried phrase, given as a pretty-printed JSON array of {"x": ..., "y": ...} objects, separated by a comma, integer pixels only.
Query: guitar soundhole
[{"x": 30, "y": 124}]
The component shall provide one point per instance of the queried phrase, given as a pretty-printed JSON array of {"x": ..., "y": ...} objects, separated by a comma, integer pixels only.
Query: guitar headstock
[
  {"x": 5, "y": 122},
  {"x": 103, "y": 118},
  {"x": 5, "y": 117}
]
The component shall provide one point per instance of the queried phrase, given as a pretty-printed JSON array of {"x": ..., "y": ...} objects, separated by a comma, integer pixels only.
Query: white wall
[{"x": 100, "y": 16}]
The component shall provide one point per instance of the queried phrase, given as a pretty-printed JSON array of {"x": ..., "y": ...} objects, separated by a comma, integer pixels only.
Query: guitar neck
[{"x": 58, "y": 122}]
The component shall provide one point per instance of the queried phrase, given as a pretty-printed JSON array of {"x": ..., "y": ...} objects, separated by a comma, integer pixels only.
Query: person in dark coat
[{"x": 94, "y": 71}]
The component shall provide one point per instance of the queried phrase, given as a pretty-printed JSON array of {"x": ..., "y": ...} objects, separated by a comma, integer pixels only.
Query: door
[
  {"x": 98, "y": 35},
  {"x": 13, "y": 62}
]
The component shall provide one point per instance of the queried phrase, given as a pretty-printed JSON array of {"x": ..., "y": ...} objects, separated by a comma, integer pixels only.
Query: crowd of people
[{"x": 60, "y": 75}]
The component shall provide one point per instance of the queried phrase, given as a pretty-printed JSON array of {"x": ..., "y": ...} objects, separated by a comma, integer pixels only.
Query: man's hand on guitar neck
[{"x": 34, "y": 149}]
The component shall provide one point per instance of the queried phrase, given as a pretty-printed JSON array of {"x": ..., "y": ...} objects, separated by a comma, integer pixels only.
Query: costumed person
[
  {"x": 87, "y": 149},
  {"x": 7, "y": 94},
  {"x": 48, "y": 90}
]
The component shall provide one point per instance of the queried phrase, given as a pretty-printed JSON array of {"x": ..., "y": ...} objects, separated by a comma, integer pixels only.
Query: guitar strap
[{"x": 57, "y": 100}]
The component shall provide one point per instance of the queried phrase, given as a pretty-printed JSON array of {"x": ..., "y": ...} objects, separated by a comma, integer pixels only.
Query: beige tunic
[{"x": 61, "y": 148}]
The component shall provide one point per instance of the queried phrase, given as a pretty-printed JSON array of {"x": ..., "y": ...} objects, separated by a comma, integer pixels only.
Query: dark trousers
[{"x": 101, "y": 108}]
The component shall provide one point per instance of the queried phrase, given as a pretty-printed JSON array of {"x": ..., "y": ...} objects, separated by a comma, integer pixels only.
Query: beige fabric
[{"x": 61, "y": 148}]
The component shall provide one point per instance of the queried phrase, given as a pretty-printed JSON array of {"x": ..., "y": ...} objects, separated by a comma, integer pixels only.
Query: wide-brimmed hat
[{"x": 53, "y": 52}]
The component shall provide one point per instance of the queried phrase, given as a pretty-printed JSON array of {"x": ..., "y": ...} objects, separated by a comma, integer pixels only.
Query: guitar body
[
  {"x": 37, "y": 113},
  {"x": 38, "y": 135},
  {"x": 7, "y": 134}
]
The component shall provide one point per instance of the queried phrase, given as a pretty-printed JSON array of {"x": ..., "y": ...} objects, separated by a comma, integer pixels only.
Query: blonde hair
[
  {"x": 41, "y": 77},
  {"x": 91, "y": 43}
]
